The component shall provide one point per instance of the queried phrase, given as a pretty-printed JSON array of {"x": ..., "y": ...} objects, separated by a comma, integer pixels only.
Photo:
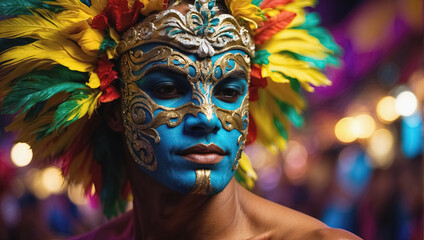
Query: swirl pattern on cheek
[{"x": 142, "y": 115}]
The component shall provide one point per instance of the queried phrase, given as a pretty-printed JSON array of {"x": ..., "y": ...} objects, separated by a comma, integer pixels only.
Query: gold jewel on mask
[
  {"x": 203, "y": 182},
  {"x": 201, "y": 31}
]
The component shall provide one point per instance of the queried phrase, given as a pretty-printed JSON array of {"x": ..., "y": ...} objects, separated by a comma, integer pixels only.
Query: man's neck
[{"x": 160, "y": 213}]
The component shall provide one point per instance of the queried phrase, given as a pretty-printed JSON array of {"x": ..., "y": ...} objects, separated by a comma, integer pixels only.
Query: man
[{"x": 184, "y": 117}]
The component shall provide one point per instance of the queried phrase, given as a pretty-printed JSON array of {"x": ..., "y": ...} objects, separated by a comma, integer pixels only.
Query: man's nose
[{"x": 200, "y": 125}]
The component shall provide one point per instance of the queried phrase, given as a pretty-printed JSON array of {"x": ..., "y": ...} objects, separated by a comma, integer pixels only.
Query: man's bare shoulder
[
  {"x": 330, "y": 234},
  {"x": 275, "y": 221}
]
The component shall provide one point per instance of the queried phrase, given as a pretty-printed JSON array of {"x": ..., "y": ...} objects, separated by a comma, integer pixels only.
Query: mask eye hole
[
  {"x": 230, "y": 90},
  {"x": 167, "y": 90},
  {"x": 228, "y": 94}
]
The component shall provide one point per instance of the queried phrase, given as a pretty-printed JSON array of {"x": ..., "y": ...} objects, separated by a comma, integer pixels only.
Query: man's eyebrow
[
  {"x": 237, "y": 74},
  {"x": 166, "y": 70}
]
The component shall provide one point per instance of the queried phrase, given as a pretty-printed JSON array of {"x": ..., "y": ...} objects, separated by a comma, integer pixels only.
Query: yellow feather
[
  {"x": 300, "y": 70},
  {"x": 299, "y": 5},
  {"x": 44, "y": 52},
  {"x": 283, "y": 92},
  {"x": 97, "y": 6},
  {"x": 71, "y": 19},
  {"x": 93, "y": 81},
  {"x": 43, "y": 24},
  {"x": 246, "y": 170},
  {"x": 74, "y": 5},
  {"x": 267, "y": 134},
  {"x": 111, "y": 52},
  {"x": 244, "y": 9},
  {"x": 297, "y": 41},
  {"x": 9, "y": 73},
  {"x": 152, "y": 5},
  {"x": 86, "y": 106},
  {"x": 89, "y": 40}
]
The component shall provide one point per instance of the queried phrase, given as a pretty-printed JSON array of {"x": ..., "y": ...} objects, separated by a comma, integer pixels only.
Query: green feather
[
  {"x": 261, "y": 57},
  {"x": 257, "y": 2},
  {"x": 239, "y": 178},
  {"x": 68, "y": 111},
  {"x": 11, "y": 8},
  {"x": 291, "y": 113},
  {"x": 39, "y": 86},
  {"x": 280, "y": 128},
  {"x": 294, "y": 83},
  {"x": 107, "y": 42},
  {"x": 312, "y": 26}
]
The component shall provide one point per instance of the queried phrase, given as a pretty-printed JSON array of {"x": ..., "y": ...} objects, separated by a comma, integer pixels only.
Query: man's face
[{"x": 186, "y": 112}]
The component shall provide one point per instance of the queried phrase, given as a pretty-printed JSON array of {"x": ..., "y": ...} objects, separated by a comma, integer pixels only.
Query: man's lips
[{"x": 203, "y": 154}]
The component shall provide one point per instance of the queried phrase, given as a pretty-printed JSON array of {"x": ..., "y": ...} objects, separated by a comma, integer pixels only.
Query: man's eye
[
  {"x": 167, "y": 91},
  {"x": 228, "y": 95}
]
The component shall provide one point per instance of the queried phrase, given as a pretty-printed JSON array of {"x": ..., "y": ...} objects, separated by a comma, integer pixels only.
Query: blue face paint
[
  {"x": 184, "y": 107},
  {"x": 184, "y": 99}
]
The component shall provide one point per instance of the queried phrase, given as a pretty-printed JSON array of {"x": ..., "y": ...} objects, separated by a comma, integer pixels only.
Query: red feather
[
  {"x": 252, "y": 134},
  {"x": 256, "y": 82},
  {"x": 273, "y": 26},
  {"x": 274, "y": 3},
  {"x": 109, "y": 94}
]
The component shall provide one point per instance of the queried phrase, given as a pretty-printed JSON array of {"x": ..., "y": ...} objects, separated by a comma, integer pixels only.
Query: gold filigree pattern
[
  {"x": 203, "y": 182},
  {"x": 144, "y": 115},
  {"x": 193, "y": 32}
]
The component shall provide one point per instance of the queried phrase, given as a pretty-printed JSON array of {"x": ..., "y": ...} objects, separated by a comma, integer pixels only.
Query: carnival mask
[{"x": 184, "y": 99}]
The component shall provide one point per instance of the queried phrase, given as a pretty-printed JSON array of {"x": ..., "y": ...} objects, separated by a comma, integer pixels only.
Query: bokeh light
[
  {"x": 365, "y": 125},
  {"x": 34, "y": 182},
  {"x": 381, "y": 148},
  {"x": 346, "y": 130},
  {"x": 21, "y": 154},
  {"x": 53, "y": 180},
  {"x": 412, "y": 135},
  {"x": 406, "y": 103},
  {"x": 353, "y": 170},
  {"x": 295, "y": 161},
  {"x": 386, "y": 110},
  {"x": 76, "y": 194}
]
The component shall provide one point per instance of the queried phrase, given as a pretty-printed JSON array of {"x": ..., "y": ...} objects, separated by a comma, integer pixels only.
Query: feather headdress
[{"x": 57, "y": 68}]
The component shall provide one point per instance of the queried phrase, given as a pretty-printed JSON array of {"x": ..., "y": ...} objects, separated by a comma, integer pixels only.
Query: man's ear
[{"x": 113, "y": 116}]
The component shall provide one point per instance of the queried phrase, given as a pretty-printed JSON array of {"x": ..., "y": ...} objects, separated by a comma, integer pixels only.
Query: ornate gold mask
[{"x": 203, "y": 36}]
